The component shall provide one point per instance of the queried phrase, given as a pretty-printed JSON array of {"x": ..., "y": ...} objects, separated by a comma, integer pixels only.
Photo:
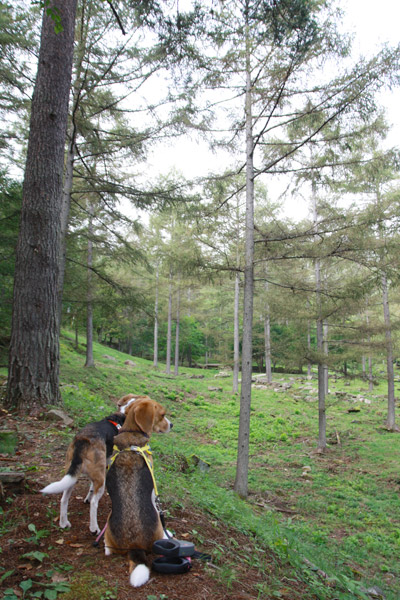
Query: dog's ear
[{"x": 144, "y": 415}]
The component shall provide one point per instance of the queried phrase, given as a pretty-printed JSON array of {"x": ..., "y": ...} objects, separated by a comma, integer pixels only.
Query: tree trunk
[
  {"x": 169, "y": 328},
  {"x": 176, "y": 366},
  {"x": 364, "y": 367},
  {"x": 370, "y": 376},
  {"x": 33, "y": 375},
  {"x": 267, "y": 339},
  {"x": 309, "y": 374},
  {"x": 70, "y": 159},
  {"x": 391, "y": 419},
  {"x": 236, "y": 354},
  {"x": 155, "y": 353},
  {"x": 89, "y": 311},
  {"x": 326, "y": 351},
  {"x": 320, "y": 340},
  {"x": 242, "y": 467},
  {"x": 66, "y": 204},
  {"x": 76, "y": 333}
]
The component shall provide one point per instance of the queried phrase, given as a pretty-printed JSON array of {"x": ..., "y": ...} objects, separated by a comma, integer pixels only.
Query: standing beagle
[
  {"x": 134, "y": 522},
  {"x": 87, "y": 453}
]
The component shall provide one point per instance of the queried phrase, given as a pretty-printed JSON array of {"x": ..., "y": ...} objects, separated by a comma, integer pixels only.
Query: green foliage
[
  {"x": 87, "y": 586},
  {"x": 37, "y": 535},
  {"x": 10, "y": 206}
]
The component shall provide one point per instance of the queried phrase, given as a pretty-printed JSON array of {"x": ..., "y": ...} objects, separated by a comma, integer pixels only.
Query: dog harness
[{"x": 147, "y": 455}]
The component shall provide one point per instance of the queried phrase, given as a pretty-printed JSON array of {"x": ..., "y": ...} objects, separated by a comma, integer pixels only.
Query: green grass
[{"x": 341, "y": 513}]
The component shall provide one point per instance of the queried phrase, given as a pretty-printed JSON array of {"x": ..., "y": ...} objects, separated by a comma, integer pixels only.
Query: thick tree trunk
[
  {"x": 391, "y": 418},
  {"x": 242, "y": 466},
  {"x": 89, "y": 311},
  {"x": 169, "y": 327},
  {"x": 33, "y": 378}
]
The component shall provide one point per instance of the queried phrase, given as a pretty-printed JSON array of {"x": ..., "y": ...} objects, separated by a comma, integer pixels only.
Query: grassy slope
[{"x": 342, "y": 512}]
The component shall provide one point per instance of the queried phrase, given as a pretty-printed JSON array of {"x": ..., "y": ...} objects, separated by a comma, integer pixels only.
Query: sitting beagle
[
  {"x": 134, "y": 522},
  {"x": 87, "y": 453}
]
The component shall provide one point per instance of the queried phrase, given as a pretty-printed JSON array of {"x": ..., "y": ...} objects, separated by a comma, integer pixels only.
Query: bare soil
[{"x": 231, "y": 573}]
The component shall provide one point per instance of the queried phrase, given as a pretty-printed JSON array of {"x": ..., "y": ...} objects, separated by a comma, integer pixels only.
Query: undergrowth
[{"x": 333, "y": 517}]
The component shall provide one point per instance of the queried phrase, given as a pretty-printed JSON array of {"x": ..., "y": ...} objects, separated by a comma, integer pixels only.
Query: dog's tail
[
  {"x": 138, "y": 568},
  {"x": 71, "y": 477}
]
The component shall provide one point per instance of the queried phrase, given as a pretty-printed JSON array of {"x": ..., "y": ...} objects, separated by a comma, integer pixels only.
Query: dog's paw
[
  {"x": 94, "y": 529},
  {"x": 64, "y": 523},
  {"x": 107, "y": 551},
  {"x": 139, "y": 576},
  {"x": 167, "y": 534}
]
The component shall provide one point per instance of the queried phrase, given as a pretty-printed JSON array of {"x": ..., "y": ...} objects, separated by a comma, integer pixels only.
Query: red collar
[{"x": 117, "y": 425}]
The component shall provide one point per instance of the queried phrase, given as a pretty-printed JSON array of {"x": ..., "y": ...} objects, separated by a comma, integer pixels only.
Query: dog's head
[
  {"x": 145, "y": 415},
  {"x": 127, "y": 400}
]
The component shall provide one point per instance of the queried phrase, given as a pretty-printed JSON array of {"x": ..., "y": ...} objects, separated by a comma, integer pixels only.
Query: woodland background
[{"x": 216, "y": 273}]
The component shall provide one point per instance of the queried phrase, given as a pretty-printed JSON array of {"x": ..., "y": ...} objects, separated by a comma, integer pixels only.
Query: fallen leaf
[
  {"x": 60, "y": 541},
  {"x": 57, "y": 578},
  {"x": 76, "y": 545}
]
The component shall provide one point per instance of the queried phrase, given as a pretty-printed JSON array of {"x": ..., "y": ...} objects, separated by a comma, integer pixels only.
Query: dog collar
[{"x": 117, "y": 425}]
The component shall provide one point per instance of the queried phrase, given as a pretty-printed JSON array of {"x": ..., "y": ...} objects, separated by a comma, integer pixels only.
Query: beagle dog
[
  {"x": 134, "y": 522},
  {"x": 87, "y": 453},
  {"x": 127, "y": 400}
]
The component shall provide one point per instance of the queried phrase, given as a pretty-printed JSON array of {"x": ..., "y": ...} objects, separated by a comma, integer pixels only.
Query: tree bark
[
  {"x": 309, "y": 373},
  {"x": 236, "y": 354},
  {"x": 326, "y": 351},
  {"x": 242, "y": 466},
  {"x": 267, "y": 341},
  {"x": 391, "y": 418},
  {"x": 89, "y": 311},
  {"x": 169, "y": 327},
  {"x": 155, "y": 352},
  {"x": 267, "y": 337},
  {"x": 320, "y": 340},
  {"x": 33, "y": 376},
  {"x": 176, "y": 366}
]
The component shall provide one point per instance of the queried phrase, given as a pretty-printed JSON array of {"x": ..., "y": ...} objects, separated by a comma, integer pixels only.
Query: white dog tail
[
  {"x": 70, "y": 479},
  {"x": 139, "y": 571},
  {"x": 139, "y": 576},
  {"x": 60, "y": 486}
]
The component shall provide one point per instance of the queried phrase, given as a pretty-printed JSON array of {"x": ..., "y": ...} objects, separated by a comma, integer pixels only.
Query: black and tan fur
[
  {"x": 134, "y": 523},
  {"x": 87, "y": 454}
]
